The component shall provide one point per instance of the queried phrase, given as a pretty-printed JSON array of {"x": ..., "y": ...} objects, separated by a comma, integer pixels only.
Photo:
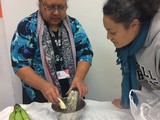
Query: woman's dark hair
[{"x": 124, "y": 11}]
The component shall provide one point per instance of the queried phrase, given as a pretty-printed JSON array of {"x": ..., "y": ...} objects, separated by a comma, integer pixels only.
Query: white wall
[
  {"x": 13, "y": 12},
  {"x": 6, "y": 89},
  {"x": 104, "y": 76}
]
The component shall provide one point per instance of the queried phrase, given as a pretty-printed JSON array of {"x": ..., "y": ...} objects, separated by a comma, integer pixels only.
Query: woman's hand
[{"x": 117, "y": 103}]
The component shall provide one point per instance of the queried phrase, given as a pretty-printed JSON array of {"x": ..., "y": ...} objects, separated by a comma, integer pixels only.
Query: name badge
[{"x": 63, "y": 74}]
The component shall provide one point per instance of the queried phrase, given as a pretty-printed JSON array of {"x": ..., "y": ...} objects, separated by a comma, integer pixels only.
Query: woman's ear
[{"x": 135, "y": 24}]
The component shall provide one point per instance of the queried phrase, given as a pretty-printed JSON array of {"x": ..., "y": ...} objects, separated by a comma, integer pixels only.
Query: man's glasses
[{"x": 52, "y": 8}]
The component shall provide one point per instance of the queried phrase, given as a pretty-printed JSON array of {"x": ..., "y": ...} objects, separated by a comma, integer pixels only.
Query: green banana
[
  {"x": 24, "y": 114},
  {"x": 18, "y": 116},
  {"x": 12, "y": 115},
  {"x": 17, "y": 107},
  {"x": 19, "y": 113}
]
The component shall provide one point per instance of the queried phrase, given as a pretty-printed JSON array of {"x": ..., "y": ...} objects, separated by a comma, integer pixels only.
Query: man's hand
[
  {"x": 82, "y": 88},
  {"x": 51, "y": 93}
]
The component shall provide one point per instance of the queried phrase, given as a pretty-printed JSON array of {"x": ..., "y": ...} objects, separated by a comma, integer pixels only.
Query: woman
[{"x": 134, "y": 28}]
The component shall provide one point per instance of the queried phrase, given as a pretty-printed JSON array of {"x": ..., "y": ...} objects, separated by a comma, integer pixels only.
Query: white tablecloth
[{"x": 94, "y": 110}]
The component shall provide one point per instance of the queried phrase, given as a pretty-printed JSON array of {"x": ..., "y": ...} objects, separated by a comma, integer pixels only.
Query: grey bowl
[{"x": 62, "y": 114}]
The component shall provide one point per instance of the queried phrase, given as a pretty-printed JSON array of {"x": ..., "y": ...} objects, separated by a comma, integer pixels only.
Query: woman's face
[
  {"x": 118, "y": 33},
  {"x": 53, "y": 11}
]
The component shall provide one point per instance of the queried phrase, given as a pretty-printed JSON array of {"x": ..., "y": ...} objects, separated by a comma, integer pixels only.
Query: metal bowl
[{"x": 65, "y": 114}]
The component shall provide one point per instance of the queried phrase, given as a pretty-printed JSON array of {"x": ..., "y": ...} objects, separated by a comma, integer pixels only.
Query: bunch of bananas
[{"x": 18, "y": 113}]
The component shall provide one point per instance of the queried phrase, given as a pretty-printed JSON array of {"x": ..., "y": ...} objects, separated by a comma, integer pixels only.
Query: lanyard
[{"x": 56, "y": 40}]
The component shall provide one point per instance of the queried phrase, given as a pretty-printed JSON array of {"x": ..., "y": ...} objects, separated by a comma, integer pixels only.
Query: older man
[{"x": 50, "y": 53}]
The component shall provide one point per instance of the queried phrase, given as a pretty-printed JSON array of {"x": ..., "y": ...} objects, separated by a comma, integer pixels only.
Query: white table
[{"x": 94, "y": 110}]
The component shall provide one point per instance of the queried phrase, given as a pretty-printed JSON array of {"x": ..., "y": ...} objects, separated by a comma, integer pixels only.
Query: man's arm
[
  {"x": 78, "y": 81},
  {"x": 49, "y": 90}
]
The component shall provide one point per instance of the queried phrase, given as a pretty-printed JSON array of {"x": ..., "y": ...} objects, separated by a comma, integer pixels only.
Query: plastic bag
[{"x": 148, "y": 107}]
